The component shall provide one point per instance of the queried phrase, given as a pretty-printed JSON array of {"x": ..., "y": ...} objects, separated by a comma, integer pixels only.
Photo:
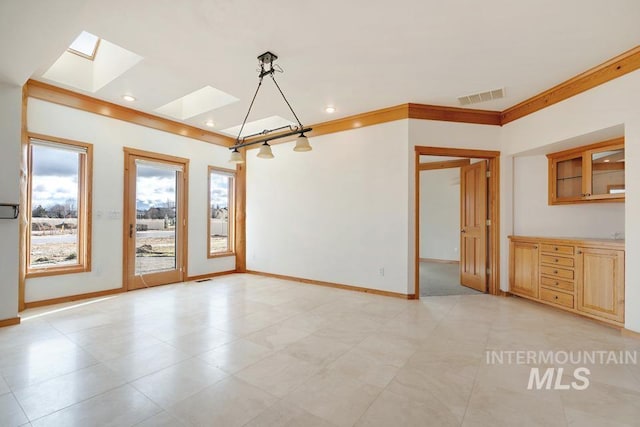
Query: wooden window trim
[
  {"x": 231, "y": 214},
  {"x": 85, "y": 196}
]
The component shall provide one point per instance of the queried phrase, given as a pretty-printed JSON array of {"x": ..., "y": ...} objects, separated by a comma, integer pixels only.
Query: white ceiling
[{"x": 357, "y": 55}]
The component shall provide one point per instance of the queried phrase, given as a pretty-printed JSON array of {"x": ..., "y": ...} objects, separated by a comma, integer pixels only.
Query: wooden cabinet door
[
  {"x": 600, "y": 282},
  {"x": 523, "y": 268}
]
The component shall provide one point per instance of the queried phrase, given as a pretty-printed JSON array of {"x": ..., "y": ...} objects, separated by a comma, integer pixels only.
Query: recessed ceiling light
[
  {"x": 209, "y": 123},
  {"x": 606, "y": 160},
  {"x": 330, "y": 109},
  {"x": 129, "y": 98}
]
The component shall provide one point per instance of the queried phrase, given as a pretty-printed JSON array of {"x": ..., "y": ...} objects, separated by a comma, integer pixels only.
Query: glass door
[{"x": 154, "y": 222}]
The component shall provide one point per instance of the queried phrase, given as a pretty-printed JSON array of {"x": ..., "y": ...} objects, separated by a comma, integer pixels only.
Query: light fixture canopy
[
  {"x": 209, "y": 123},
  {"x": 128, "y": 98},
  {"x": 267, "y": 68},
  {"x": 330, "y": 109}
]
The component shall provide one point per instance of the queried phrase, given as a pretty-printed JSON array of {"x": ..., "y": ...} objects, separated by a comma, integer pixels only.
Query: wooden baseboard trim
[
  {"x": 629, "y": 333},
  {"x": 210, "y": 275},
  {"x": 10, "y": 322},
  {"x": 71, "y": 298},
  {"x": 439, "y": 261},
  {"x": 504, "y": 293},
  {"x": 334, "y": 285}
]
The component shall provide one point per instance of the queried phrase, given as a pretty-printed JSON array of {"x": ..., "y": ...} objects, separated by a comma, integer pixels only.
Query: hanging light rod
[{"x": 267, "y": 68}]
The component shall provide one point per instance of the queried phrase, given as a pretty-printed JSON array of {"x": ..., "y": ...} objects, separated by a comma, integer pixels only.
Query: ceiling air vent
[{"x": 481, "y": 97}]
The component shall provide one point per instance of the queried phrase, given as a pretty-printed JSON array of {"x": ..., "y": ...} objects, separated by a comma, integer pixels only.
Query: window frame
[
  {"x": 85, "y": 182},
  {"x": 231, "y": 173}
]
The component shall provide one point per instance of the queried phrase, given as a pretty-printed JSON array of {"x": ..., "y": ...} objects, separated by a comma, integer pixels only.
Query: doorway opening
[
  {"x": 155, "y": 228},
  {"x": 456, "y": 246}
]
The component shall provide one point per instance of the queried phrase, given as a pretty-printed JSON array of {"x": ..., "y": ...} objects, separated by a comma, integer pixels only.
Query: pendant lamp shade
[
  {"x": 302, "y": 143},
  {"x": 236, "y": 157},
  {"x": 265, "y": 151}
]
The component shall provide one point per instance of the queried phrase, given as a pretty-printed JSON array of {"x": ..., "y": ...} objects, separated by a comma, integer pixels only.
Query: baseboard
[
  {"x": 334, "y": 285},
  {"x": 10, "y": 322},
  {"x": 71, "y": 298},
  {"x": 209, "y": 275},
  {"x": 502, "y": 293},
  {"x": 629, "y": 333},
  {"x": 440, "y": 261}
]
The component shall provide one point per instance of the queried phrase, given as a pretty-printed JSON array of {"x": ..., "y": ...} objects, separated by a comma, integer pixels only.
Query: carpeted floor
[{"x": 438, "y": 279}]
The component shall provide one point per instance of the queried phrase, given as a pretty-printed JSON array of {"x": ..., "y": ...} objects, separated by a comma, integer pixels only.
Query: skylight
[{"x": 85, "y": 45}]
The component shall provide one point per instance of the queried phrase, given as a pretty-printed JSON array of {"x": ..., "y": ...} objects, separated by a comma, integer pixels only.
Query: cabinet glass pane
[
  {"x": 607, "y": 176},
  {"x": 569, "y": 178}
]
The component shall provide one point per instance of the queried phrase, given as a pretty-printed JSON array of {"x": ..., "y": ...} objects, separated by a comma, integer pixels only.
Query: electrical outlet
[{"x": 381, "y": 271}]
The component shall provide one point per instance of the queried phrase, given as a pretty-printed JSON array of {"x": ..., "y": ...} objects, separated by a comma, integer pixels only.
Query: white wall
[
  {"x": 10, "y": 134},
  {"x": 440, "y": 214},
  {"x": 603, "y": 107},
  {"x": 335, "y": 214},
  {"x": 109, "y": 136},
  {"x": 533, "y": 216}
]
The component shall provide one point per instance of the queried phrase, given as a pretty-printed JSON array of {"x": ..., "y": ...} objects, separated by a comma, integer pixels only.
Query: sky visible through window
[
  {"x": 54, "y": 178},
  {"x": 219, "y": 191}
]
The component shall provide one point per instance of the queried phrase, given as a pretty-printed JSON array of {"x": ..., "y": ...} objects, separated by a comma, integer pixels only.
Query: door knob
[{"x": 463, "y": 231}]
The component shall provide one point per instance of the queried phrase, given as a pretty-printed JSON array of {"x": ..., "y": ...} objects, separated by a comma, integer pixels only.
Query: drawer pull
[
  {"x": 579, "y": 252},
  {"x": 555, "y": 271},
  {"x": 555, "y": 297},
  {"x": 555, "y": 249},
  {"x": 556, "y": 260},
  {"x": 557, "y": 283}
]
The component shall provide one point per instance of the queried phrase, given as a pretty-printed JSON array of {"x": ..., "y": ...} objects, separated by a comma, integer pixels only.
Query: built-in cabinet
[
  {"x": 585, "y": 276},
  {"x": 592, "y": 173}
]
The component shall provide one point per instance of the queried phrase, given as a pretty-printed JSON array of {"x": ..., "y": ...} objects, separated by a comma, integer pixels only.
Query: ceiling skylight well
[
  {"x": 198, "y": 102},
  {"x": 85, "y": 45}
]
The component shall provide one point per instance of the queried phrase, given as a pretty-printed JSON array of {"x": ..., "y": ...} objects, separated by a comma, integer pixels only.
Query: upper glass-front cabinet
[{"x": 593, "y": 173}]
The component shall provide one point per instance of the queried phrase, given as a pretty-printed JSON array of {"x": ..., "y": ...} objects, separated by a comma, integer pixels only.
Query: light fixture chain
[
  {"x": 285, "y": 100},
  {"x": 249, "y": 111}
]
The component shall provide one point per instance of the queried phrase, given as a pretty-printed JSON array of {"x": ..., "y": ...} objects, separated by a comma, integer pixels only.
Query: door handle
[
  {"x": 463, "y": 231},
  {"x": 130, "y": 230}
]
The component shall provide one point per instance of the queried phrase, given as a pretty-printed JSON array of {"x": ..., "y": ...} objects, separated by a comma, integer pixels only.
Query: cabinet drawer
[
  {"x": 557, "y": 260},
  {"x": 557, "y": 249},
  {"x": 556, "y": 272},
  {"x": 556, "y": 297},
  {"x": 557, "y": 284}
]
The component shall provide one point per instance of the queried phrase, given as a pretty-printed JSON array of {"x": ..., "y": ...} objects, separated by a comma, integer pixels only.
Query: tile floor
[{"x": 246, "y": 350}]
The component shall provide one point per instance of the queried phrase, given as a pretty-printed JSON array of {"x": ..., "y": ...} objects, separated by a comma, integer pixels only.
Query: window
[
  {"x": 220, "y": 212},
  {"x": 59, "y": 203},
  {"x": 85, "y": 45}
]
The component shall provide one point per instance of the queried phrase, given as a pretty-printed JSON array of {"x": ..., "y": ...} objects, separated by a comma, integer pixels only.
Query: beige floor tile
[
  {"x": 52, "y": 395},
  {"x": 615, "y": 404},
  {"x": 276, "y": 337},
  {"x": 278, "y": 374},
  {"x": 236, "y": 355},
  {"x": 390, "y": 409},
  {"x": 317, "y": 350},
  {"x": 496, "y": 406},
  {"x": 365, "y": 367},
  {"x": 11, "y": 414},
  {"x": 285, "y": 415},
  {"x": 163, "y": 419},
  {"x": 146, "y": 361},
  {"x": 435, "y": 383},
  {"x": 123, "y": 406},
  {"x": 177, "y": 382},
  {"x": 389, "y": 349},
  {"x": 201, "y": 341},
  {"x": 336, "y": 398},
  {"x": 230, "y": 402}
]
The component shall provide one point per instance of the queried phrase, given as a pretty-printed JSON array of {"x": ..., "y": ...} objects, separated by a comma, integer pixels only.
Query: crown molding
[
  {"x": 612, "y": 69},
  {"x": 54, "y": 94}
]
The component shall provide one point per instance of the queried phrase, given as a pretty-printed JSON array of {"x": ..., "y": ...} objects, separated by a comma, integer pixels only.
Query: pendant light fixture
[{"x": 267, "y": 68}]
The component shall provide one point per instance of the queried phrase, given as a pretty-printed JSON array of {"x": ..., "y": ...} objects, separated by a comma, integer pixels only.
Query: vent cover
[{"x": 481, "y": 97}]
